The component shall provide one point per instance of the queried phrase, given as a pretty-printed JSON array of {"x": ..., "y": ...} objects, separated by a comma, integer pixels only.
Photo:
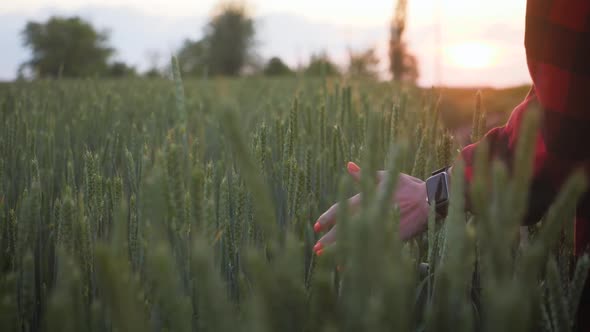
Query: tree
[
  {"x": 68, "y": 47},
  {"x": 363, "y": 64},
  {"x": 321, "y": 65},
  {"x": 229, "y": 40},
  {"x": 153, "y": 73},
  {"x": 120, "y": 69},
  {"x": 276, "y": 67},
  {"x": 227, "y": 47},
  {"x": 403, "y": 66},
  {"x": 193, "y": 58},
  {"x": 154, "y": 69},
  {"x": 411, "y": 72}
]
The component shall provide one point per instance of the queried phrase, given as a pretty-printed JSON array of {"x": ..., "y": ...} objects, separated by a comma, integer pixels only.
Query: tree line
[{"x": 71, "y": 47}]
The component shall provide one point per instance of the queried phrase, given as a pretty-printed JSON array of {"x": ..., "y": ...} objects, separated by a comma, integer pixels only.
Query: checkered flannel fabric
[{"x": 557, "y": 42}]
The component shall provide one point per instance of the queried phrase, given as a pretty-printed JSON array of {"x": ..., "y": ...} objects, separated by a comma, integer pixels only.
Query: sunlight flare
[{"x": 472, "y": 55}]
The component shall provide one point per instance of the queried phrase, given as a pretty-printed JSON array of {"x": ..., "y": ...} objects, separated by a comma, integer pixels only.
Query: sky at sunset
[{"x": 482, "y": 41}]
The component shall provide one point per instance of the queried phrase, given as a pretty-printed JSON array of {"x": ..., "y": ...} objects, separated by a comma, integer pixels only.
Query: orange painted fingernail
[
  {"x": 319, "y": 252},
  {"x": 319, "y": 246},
  {"x": 317, "y": 227},
  {"x": 353, "y": 168}
]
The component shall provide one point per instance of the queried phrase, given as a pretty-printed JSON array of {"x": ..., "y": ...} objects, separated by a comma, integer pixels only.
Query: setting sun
[{"x": 472, "y": 55}]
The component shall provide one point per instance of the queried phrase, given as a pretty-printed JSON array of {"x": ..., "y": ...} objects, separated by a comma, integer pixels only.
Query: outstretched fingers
[
  {"x": 355, "y": 172},
  {"x": 328, "y": 219},
  {"x": 325, "y": 241}
]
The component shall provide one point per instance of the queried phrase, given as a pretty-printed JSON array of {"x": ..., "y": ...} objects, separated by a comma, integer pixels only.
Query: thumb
[{"x": 354, "y": 170}]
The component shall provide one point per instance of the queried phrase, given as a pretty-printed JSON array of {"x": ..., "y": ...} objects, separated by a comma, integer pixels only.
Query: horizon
[{"x": 489, "y": 53}]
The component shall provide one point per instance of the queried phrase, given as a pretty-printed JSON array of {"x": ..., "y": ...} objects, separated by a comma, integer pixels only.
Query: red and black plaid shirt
[{"x": 557, "y": 41}]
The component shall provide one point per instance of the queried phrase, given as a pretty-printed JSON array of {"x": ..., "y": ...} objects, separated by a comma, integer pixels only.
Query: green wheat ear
[
  {"x": 558, "y": 305},
  {"x": 180, "y": 99},
  {"x": 133, "y": 233},
  {"x": 9, "y": 302},
  {"x": 577, "y": 287},
  {"x": 117, "y": 214},
  {"x": 419, "y": 169},
  {"x": 66, "y": 299},
  {"x": 198, "y": 197},
  {"x": 11, "y": 240},
  {"x": 215, "y": 312},
  {"x": 265, "y": 216},
  {"x": 443, "y": 151},
  {"x": 27, "y": 290},
  {"x": 478, "y": 119},
  {"x": 121, "y": 290},
  {"x": 533, "y": 259}
]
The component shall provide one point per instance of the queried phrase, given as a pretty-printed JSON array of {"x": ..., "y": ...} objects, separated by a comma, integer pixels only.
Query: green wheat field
[{"x": 164, "y": 205}]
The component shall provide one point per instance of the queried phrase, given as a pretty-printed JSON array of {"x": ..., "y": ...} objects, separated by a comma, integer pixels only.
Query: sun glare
[{"x": 472, "y": 55}]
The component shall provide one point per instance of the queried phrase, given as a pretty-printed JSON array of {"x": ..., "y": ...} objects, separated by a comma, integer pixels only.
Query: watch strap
[{"x": 437, "y": 188}]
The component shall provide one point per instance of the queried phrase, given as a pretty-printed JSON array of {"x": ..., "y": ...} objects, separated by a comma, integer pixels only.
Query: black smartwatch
[{"x": 437, "y": 191}]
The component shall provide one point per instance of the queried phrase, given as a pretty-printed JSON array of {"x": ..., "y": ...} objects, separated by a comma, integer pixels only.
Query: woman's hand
[{"x": 409, "y": 196}]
